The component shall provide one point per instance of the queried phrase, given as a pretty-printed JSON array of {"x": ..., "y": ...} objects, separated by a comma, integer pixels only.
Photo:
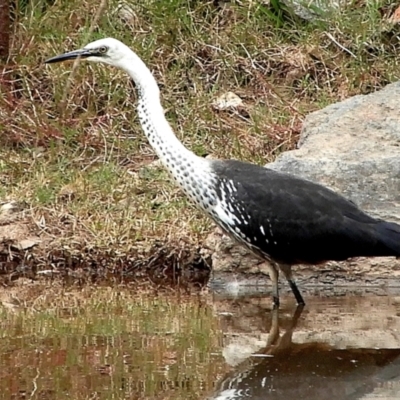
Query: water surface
[{"x": 103, "y": 342}]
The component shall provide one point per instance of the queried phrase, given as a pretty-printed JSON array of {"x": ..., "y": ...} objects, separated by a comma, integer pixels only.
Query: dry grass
[{"x": 73, "y": 152}]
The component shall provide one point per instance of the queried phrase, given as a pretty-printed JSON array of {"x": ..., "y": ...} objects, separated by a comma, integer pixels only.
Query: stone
[
  {"x": 226, "y": 101},
  {"x": 353, "y": 148},
  {"x": 26, "y": 244},
  {"x": 312, "y": 10}
]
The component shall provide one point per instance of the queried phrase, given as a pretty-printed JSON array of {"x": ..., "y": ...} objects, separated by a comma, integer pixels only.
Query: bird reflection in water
[{"x": 314, "y": 370}]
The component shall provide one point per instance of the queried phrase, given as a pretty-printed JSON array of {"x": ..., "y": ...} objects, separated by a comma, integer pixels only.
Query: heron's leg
[
  {"x": 287, "y": 271},
  {"x": 274, "y": 331},
  {"x": 296, "y": 316},
  {"x": 286, "y": 339},
  {"x": 275, "y": 342},
  {"x": 274, "y": 275}
]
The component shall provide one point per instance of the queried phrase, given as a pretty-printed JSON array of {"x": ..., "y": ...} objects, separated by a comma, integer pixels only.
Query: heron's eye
[{"x": 103, "y": 49}]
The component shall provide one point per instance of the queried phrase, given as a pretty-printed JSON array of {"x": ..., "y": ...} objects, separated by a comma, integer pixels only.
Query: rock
[
  {"x": 353, "y": 148},
  {"x": 26, "y": 244},
  {"x": 8, "y": 208},
  {"x": 148, "y": 171},
  {"x": 311, "y": 10},
  {"x": 125, "y": 13},
  {"x": 226, "y": 101},
  {"x": 15, "y": 231}
]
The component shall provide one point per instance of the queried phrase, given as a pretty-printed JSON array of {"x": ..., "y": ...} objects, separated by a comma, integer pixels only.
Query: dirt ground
[{"x": 26, "y": 250}]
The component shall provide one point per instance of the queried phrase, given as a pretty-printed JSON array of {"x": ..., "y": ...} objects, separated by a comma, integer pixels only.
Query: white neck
[
  {"x": 151, "y": 113},
  {"x": 191, "y": 172}
]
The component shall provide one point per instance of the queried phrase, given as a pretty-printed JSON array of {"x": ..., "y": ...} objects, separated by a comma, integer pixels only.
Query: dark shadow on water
[{"x": 341, "y": 350}]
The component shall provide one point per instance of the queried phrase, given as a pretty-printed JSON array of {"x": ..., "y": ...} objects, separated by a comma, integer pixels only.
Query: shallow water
[{"x": 102, "y": 343}]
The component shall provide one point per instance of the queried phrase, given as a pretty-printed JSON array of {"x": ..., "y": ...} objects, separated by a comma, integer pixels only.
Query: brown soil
[{"x": 28, "y": 251}]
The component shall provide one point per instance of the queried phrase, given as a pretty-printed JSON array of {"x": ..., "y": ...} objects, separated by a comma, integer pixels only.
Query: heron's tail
[{"x": 389, "y": 238}]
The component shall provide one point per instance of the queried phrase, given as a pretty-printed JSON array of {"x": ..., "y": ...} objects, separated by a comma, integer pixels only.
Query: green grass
[{"x": 71, "y": 145}]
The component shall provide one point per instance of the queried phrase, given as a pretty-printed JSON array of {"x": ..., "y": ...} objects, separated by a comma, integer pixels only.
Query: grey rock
[
  {"x": 353, "y": 147},
  {"x": 311, "y": 10}
]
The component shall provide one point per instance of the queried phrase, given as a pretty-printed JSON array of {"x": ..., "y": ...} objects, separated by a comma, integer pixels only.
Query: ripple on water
[
  {"x": 343, "y": 346},
  {"x": 102, "y": 342}
]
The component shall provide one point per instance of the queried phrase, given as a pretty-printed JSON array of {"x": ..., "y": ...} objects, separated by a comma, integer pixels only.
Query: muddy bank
[{"x": 27, "y": 250}]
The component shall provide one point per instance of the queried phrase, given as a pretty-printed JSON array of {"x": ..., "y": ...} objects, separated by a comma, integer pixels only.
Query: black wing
[{"x": 294, "y": 220}]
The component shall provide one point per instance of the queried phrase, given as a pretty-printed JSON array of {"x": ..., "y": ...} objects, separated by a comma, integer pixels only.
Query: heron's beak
[{"x": 72, "y": 55}]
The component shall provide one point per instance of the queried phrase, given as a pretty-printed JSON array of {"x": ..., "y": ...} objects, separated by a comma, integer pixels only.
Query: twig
[{"x": 339, "y": 45}]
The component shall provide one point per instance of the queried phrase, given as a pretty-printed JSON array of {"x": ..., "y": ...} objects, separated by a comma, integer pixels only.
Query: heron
[{"x": 281, "y": 218}]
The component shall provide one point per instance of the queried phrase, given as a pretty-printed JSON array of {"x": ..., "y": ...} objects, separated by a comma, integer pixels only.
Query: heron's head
[{"x": 109, "y": 51}]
